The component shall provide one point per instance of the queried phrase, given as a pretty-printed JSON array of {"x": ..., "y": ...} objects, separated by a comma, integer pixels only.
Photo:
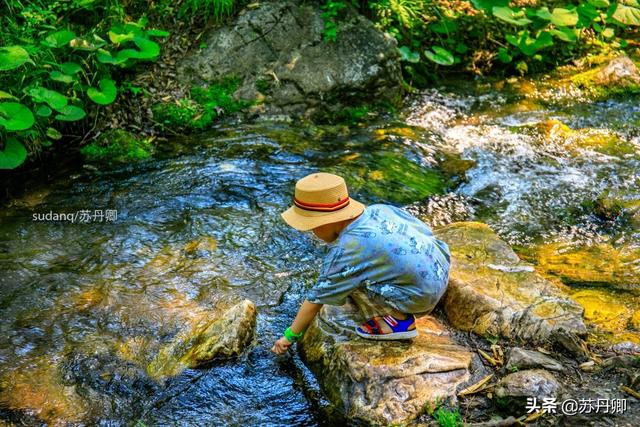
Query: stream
[{"x": 85, "y": 304}]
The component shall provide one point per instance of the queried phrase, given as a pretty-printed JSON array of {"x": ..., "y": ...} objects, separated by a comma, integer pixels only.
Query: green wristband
[{"x": 292, "y": 336}]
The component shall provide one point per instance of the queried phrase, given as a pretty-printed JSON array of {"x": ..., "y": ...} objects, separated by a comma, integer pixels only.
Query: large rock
[
  {"x": 383, "y": 382},
  {"x": 222, "y": 334},
  {"x": 277, "y": 49},
  {"x": 492, "y": 292}
]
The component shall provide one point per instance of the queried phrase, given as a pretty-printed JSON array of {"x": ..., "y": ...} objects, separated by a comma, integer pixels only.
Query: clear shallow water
[{"x": 85, "y": 306}]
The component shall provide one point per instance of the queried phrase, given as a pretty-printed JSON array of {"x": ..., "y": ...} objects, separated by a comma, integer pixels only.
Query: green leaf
[
  {"x": 70, "y": 113},
  {"x": 106, "y": 57},
  {"x": 564, "y": 17},
  {"x": 503, "y": 55},
  {"x": 13, "y": 155},
  {"x": 157, "y": 33},
  {"x": 15, "y": 116},
  {"x": 440, "y": 56},
  {"x": 564, "y": 34},
  {"x": 12, "y": 57},
  {"x": 148, "y": 48},
  {"x": 56, "y": 100},
  {"x": 61, "y": 77},
  {"x": 53, "y": 134},
  {"x": 107, "y": 93},
  {"x": 70, "y": 68},
  {"x": 59, "y": 38},
  {"x": 408, "y": 55},
  {"x": 43, "y": 111},
  {"x": 627, "y": 15},
  {"x": 6, "y": 95},
  {"x": 587, "y": 13},
  {"x": 487, "y": 5},
  {"x": 443, "y": 27},
  {"x": 509, "y": 16},
  {"x": 599, "y": 3},
  {"x": 543, "y": 13},
  {"x": 117, "y": 38}
]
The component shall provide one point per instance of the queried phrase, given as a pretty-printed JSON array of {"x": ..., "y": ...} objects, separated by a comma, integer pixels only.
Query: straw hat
[{"x": 321, "y": 198}]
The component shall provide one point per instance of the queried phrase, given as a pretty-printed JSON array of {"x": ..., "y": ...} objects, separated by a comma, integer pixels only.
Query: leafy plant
[
  {"x": 447, "y": 418},
  {"x": 330, "y": 11},
  {"x": 51, "y": 67}
]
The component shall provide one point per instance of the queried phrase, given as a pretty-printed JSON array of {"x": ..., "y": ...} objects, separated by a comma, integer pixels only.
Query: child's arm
[{"x": 306, "y": 313}]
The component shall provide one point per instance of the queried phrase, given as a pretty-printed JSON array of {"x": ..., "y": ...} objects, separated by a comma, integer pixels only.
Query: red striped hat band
[{"x": 322, "y": 207}]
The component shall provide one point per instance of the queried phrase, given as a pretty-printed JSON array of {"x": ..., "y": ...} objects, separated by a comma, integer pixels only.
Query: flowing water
[{"x": 85, "y": 305}]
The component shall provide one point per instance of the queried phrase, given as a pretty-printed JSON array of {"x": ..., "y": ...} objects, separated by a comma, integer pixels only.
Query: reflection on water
[{"x": 86, "y": 306}]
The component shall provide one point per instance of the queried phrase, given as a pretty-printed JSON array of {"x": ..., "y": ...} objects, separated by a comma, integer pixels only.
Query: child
[{"x": 388, "y": 262}]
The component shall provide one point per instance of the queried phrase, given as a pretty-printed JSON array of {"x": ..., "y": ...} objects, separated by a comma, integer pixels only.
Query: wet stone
[
  {"x": 520, "y": 358},
  {"x": 515, "y": 388},
  {"x": 221, "y": 333},
  {"x": 383, "y": 382},
  {"x": 492, "y": 292}
]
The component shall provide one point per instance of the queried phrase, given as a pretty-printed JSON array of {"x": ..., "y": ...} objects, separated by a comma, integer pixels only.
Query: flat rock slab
[
  {"x": 383, "y": 382},
  {"x": 492, "y": 292}
]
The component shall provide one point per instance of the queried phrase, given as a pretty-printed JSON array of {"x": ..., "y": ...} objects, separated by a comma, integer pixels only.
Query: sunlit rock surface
[
  {"x": 221, "y": 333},
  {"x": 383, "y": 382},
  {"x": 492, "y": 292},
  {"x": 615, "y": 315},
  {"x": 598, "y": 264}
]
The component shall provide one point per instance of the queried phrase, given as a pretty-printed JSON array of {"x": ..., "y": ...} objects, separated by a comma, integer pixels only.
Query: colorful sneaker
[{"x": 401, "y": 329}]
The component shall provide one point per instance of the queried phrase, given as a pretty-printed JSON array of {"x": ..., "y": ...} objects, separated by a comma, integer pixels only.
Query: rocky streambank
[{"x": 527, "y": 341}]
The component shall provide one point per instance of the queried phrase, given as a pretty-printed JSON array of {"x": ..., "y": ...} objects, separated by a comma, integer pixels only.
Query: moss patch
[
  {"x": 117, "y": 146},
  {"x": 204, "y": 106}
]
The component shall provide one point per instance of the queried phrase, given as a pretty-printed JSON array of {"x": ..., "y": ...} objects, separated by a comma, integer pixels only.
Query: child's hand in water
[{"x": 281, "y": 346}]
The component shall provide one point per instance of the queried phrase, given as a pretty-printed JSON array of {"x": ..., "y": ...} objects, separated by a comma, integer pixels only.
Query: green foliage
[
  {"x": 117, "y": 146},
  {"x": 330, "y": 11},
  {"x": 201, "y": 109},
  {"x": 200, "y": 9},
  {"x": 482, "y": 34},
  {"x": 447, "y": 418},
  {"x": 55, "y": 56}
]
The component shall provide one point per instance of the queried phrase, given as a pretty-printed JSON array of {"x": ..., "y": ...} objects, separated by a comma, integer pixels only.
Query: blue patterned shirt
[{"x": 390, "y": 255}]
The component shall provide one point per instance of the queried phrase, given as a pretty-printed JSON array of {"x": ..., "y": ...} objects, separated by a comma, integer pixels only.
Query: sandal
[{"x": 403, "y": 329}]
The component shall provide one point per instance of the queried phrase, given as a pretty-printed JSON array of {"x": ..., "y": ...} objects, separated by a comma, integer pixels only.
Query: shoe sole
[{"x": 394, "y": 336}]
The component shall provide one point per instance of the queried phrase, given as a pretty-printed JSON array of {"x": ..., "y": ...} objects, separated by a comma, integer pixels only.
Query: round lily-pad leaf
[
  {"x": 59, "y": 38},
  {"x": 70, "y": 113},
  {"x": 12, "y": 57},
  {"x": 107, "y": 93},
  {"x": 56, "y": 100},
  {"x": 15, "y": 116},
  {"x": 440, "y": 56},
  {"x": 61, "y": 77},
  {"x": 70, "y": 68},
  {"x": 43, "y": 111},
  {"x": 13, "y": 155},
  {"x": 53, "y": 134}
]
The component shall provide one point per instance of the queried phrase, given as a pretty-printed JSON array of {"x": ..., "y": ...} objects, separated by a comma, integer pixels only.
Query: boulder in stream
[
  {"x": 492, "y": 292},
  {"x": 383, "y": 382},
  {"x": 224, "y": 333},
  {"x": 277, "y": 50}
]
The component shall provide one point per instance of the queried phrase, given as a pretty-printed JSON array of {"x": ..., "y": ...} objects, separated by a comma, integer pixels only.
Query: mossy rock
[
  {"x": 619, "y": 76},
  {"x": 594, "y": 265},
  {"x": 117, "y": 145}
]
